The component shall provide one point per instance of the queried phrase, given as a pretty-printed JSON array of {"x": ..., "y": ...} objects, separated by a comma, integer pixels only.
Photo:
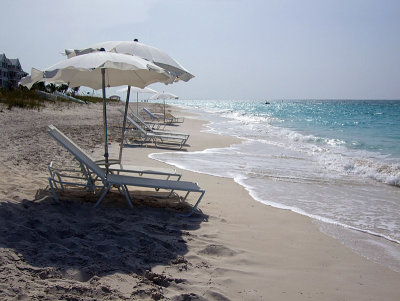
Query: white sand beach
[{"x": 234, "y": 249}]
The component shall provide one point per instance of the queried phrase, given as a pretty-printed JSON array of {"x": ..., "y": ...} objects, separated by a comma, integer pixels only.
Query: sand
[{"x": 234, "y": 249}]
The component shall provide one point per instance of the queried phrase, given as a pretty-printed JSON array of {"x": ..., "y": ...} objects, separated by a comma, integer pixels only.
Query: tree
[
  {"x": 51, "y": 87},
  {"x": 75, "y": 90},
  {"x": 62, "y": 88},
  {"x": 39, "y": 86}
]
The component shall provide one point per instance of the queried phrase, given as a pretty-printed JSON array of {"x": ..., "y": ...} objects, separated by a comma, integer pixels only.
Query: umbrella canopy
[
  {"x": 85, "y": 70},
  {"x": 101, "y": 69},
  {"x": 149, "y": 53},
  {"x": 152, "y": 54},
  {"x": 138, "y": 90},
  {"x": 164, "y": 96},
  {"x": 26, "y": 81}
]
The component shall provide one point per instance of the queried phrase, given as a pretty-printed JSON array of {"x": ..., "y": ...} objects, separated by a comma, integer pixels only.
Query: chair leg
[
  {"x": 60, "y": 181},
  {"x": 103, "y": 195},
  {"x": 53, "y": 190},
  {"x": 194, "y": 207},
  {"x": 126, "y": 192},
  {"x": 187, "y": 193},
  {"x": 171, "y": 193}
]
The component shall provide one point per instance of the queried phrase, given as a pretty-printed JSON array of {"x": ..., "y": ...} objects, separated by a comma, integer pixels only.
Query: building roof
[{"x": 14, "y": 62}]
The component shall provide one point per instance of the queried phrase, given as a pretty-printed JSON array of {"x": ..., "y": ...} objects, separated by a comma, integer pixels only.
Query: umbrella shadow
[
  {"x": 150, "y": 145},
  {"x": 75, "y": 241}
]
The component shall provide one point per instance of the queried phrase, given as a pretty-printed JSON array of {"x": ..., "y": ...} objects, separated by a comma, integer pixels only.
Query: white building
[{"x": 10, "y": 72}]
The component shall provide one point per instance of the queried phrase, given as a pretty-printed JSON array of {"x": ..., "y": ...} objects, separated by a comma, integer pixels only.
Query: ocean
[{"x": 336, "y": 161}]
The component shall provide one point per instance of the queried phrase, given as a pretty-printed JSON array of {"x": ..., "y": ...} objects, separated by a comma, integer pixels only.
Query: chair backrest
[
  {"x": 150, "y": 114},
  {"x": 135, "y": 124},
  {"x": 76, "y": 151},
  {"x": 141, "y": 121}
]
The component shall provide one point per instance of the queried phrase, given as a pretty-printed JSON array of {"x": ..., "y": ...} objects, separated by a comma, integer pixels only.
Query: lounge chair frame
[
  {"x": 70, "y": 175},
  {"x": 152, "y": 116},
  {"x": 169, "y": 118},
  {"x": 161, "y": 140},
  {"x": 97, "y": 174},
  {"x": 145, "y": 125}
]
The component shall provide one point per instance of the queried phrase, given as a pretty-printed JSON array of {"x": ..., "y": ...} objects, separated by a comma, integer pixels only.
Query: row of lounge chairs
[
  {"x": 93, "y": 177},
  {"x": 169, "y": 118},
  {"x": 142, "y": 132}
]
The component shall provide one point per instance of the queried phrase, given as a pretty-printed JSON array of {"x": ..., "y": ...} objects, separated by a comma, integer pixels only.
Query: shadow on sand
[{"x": 75, "y": 241}]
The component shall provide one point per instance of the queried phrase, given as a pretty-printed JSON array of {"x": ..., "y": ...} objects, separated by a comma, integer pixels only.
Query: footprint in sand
[{"x": 218, "y": 251}]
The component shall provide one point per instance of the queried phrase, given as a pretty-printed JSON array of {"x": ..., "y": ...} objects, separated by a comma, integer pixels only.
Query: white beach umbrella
[
  {"x": 26, "y": 81},
  {"x": 100, "y": 69},
  {"x": 164, "y": 96},
  {"x": 138, "y": 90},
  {"x": 150, "y": 53},
  {"x": 86, "y": 70}
]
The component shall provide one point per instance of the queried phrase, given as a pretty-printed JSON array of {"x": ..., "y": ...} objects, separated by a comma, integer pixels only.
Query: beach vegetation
[
  {"x": 21, "y": 97},
  {"x": 40, "y": 94},
  {"x": 90, "y": 99}
]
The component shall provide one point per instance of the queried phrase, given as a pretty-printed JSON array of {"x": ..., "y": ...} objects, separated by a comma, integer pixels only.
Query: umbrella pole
[
  {"x": 124, "y": 124},
  {"x": 137, "y": 103},
  {"x": 164, "y": 110},
  {"x": 103, "y": 75}
]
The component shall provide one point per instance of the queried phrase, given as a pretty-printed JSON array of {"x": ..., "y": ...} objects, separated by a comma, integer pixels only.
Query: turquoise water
[
  {"x": 358, "y": 124},
  {"x": 364, "y": 134},
  {"x": 372, "y": 125},
  {"x": 337, "y": 162}
]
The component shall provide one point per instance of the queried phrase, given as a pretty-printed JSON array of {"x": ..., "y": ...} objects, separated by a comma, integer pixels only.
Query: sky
[{"x": 237, "y": 49}]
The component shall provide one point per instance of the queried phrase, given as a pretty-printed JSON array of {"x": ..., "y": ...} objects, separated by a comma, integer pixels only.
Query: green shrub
[
  {"x": 22, "y": 98},
  {"x": 93, "y": 99},
  {"x": 29, "y": 99}
]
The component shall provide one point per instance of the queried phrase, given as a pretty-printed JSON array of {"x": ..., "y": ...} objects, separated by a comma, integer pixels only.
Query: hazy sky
[{"x": 237, "y": 49}]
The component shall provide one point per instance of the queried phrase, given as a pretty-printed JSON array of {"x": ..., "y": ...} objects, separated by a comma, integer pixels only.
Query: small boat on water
[{"x": 267, "y": 102}]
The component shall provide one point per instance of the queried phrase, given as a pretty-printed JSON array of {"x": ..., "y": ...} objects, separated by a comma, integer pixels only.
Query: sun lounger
[
  {"x": 160, "y": 140},
  {"x": 149, "y": 128},
  {"x": 154, "y": 125},
  {"x": 117, "y": 167},
  {"x": 78, "y": 176},
  {"x": 151, "y": 115},
  {"x": 94, "y": 171},
  {"x": 62, "y": 176},
  {"x": 174, "y": 119},
  {"x": 169, "y": 118}
]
